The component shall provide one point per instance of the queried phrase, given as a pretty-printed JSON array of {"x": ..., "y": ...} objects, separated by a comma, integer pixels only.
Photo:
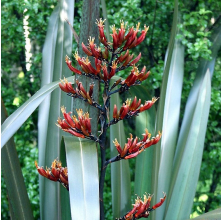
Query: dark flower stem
[{"x": 103, "y": 121}]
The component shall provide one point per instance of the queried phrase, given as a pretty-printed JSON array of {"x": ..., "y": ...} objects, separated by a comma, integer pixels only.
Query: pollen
[
  {"x": 76, "y": 56},
  {"x": 100, "y": 23},
  {"x": 137, "y": 26},
  {"x": 79, "y": 112},
  {"x": 63, "y": 110}
]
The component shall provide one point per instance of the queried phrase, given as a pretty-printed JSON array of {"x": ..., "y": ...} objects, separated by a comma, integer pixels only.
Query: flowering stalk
[{"x": 109, "y": 59}]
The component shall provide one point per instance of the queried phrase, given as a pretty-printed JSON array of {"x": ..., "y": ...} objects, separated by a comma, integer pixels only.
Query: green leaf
[
  {"x": 191, "y": 104},
  {"x": 144, "y": 160},
  {"x": 83, "y": 178},
  {"x": 183, "y": 189},
  {"x": 170, "y": 123},
  {"x": 120, "y": 171},
  {"x": 160, "y": 110},
  {"x": 213, "y": 215},
  {"x": 65, "y": 201},
  {"x": 14, "y": 180},
  {"x": 17, "y": 118},
  {"x": 57, "y": 45}
]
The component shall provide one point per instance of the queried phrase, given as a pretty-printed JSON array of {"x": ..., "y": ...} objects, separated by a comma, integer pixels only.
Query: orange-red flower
[
  {"x": 129, "y": 109},
  {"x": 102, "y": 37},
  {"x": 133, "y": 147},
  {"x": 79, "y": 127},
  {"x": 55, "y": 173},
  {"x": 68, "y": 62},
  {"x": 141, "y": 208},
  {"x": 66, "y": 86}
]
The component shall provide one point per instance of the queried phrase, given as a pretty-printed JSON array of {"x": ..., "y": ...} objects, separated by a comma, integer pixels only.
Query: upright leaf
[
  {"x": 170, "y": 122},
  {"x": 183, "y": 191},
  {"x": 144, "y": 160},
  {"x": 160, "y": 110},
  {"x": 191, "y": 104},
  {"x": 83, "y": 178},
  {"x": 58, "y": 44},
  {"x": 120, "y": 171},
  {"x": 14, "y": 180}
]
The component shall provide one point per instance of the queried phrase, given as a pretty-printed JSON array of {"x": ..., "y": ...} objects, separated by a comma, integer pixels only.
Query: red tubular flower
[
  {"x": 136, "y": 60},
  {"x": 66, "y": 86},
  {"x": 142, "y": 76},
  {"x": 91, "y": 89},
  {"x": 64, "y": 175},
  {"x": 81, "y": 91},
  {"x": 95, "y": 51},
  {"x": 55, "y": 170},
  {"x": 62, "y": 124},
  {"x": 68, "y": 62},
  {"x": 147, "y": 104},
  {"x": 90, "y": 67},
  {"x": 134, "y": 105},
  {"x": 131, "y": 38},
  {"x": 141, "y": 208},
  {"x": 118, "y": 147},
  {"x": 105, "y": 74},
  {"x": 153, "y": 141},
  {"x": 89, "y": 99},
  {"x": 80, "y": 127},
  {"x": 129, "y": 58},
  {"x": 102, "y": 37},
  {"x": 67, "y": 117},
  {"x": 121, "y": 34},
  {"x": 115, "y": 114},
  {"x": 161, "y": 202},
  {"x": 129, "y": 33},
  {"x": 56, "y": 173},
  {"x": 142, "y": 36},
  {"x": 86, "y": 50},
  {"x": 131, "y": 79},
  {"x": 123, "y": 111},
  {"x": 122, "y": 57},
  {"x": 133, "y": 43},
  {"x": 98, "y": 65},
  {"x": 70, "y": 131},
  {"x": 115, "y": 37},
  {"x": 133, "y": 147},
  {"x": 84, "y": 65},
  {"x": 113, "y": 70},
  {"x": 78, "y": 58}
]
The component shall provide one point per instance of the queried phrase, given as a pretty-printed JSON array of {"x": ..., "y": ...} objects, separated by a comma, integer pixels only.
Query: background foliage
[{"x": 20, "y": 82}]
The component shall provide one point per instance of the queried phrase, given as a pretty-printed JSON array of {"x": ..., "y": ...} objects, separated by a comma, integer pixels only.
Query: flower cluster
[
  {"x": 121, "y": 58},
  {"x": 101, "y": 63},
  {"x": 80, "y": 127},
  {"x": 141, "y": 209},
  {"x": 129, "y": 109},
  {"x": 134, "y": 147},
  {"x": 56, "y": 173}
]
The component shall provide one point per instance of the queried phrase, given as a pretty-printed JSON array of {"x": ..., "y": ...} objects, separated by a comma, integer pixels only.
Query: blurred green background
[{"x": 25, "y": 23}]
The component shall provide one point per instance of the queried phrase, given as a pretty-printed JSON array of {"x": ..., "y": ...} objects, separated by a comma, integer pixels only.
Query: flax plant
[{"x": 109, "y": 59}]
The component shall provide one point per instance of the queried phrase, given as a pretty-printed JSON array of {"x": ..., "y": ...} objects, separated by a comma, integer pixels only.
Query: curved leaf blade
[
  {"x": 120, "y": 171},
  {"x": 186, "y": 180},
  {"x": 83, "y": 178},
  {"x": 14, "y": 179},
  {"x": 16, "y": 119},
  {"x": 57, "y": 45},
  {"x": 170, "y": 123},
  {"x": 160, "y": 110}
]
